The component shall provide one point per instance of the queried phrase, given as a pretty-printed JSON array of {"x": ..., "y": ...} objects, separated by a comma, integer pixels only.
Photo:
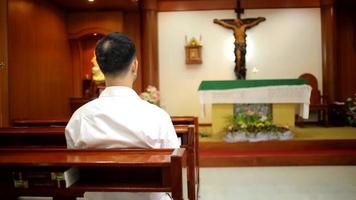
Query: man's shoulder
[
  {"x": 88, "y": 108},
  {"x": 154, "y": 109}
]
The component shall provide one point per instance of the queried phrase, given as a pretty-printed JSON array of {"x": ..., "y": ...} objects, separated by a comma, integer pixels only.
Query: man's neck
[{"x": 118, "y": 82}]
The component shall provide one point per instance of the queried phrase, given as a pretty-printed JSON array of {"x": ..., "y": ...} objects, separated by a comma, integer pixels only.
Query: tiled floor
[{"x": 279, "y": 183}]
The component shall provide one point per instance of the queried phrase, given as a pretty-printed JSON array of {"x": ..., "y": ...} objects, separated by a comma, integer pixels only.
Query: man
[{"x": 119, "y": 118}]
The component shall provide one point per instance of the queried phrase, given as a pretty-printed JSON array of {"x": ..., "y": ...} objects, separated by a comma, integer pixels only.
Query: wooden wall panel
[
  {"x": 75, "y": 47},
  {"x": 80, "y": 5},
  {"x": 40, "y": 68},
  {"x": 83, "y": 23},
  {"x": 4, "y": 103},
  {"x": 185, "y": 5}
]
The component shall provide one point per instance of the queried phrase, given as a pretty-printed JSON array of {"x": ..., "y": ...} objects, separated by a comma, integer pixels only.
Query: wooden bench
[
  {"x": 186, "y": 133},
  {"x": 53, "y": 137},
  {"x": 193, "y": 122},
  {"x": 39, "y": 122},
  {"x": 32, "y": 137},
  {"x": 114, "y": 170}
]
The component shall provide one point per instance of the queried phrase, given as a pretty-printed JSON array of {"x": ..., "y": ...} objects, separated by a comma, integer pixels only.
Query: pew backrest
[{"x": 130, "y": 170}]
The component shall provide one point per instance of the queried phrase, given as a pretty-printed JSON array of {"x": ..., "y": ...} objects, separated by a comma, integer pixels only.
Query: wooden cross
[{"x": 240, "y": 26}]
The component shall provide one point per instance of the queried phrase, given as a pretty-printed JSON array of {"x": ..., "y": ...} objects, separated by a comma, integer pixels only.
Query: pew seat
[
  {"x": 114, "y": 170},
  {"x": 53, "y": 137}
]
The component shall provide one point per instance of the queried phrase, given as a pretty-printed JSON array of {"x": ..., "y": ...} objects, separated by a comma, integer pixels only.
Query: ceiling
[{"x": 83, "y": 5}]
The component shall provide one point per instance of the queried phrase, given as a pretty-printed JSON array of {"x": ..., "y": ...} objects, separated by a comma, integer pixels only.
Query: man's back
[{"x": 120, "y": 119}]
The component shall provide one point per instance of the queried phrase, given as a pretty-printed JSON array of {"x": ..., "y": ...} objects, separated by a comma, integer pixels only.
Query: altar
[{"x": 287, "y": 97}]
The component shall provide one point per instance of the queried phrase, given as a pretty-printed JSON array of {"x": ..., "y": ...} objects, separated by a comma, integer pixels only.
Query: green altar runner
[{"x": 285, "y": 95}]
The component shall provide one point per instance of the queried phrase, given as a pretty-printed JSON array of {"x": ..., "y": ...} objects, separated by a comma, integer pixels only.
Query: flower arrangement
[
  {"x": 152, "y": 95},
  {"x": 350, "y": 105},
  {"x": 252, "y": 126}
]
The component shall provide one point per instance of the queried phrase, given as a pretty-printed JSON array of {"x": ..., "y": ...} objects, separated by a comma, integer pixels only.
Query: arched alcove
[{"x": 83, "y": 49}]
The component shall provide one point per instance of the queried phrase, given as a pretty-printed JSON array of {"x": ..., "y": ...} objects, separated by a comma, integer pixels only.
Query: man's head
[{"x": 116, "y": 56}]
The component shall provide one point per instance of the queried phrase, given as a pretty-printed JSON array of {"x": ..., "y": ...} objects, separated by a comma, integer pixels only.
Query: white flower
[
  {"x": 263, "y": 118},
  {"x": 151, "y": 95}
]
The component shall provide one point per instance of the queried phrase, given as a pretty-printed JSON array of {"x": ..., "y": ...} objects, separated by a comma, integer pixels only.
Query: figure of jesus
[{"x": 240, "y": 27}]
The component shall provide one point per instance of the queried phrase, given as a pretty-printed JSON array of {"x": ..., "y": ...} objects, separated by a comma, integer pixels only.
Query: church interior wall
[
  {"x": 101, "y": 20},
  {"x": 39, "y": 60},
  {"x": 50, "y": 50},
  {"x": 286, "y": 45}
]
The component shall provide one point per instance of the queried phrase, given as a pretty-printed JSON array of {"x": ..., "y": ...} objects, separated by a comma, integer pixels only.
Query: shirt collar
[{"x": 115, "y": 91}]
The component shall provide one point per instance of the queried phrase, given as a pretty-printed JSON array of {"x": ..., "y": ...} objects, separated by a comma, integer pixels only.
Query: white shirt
[{"x": 119, "y": 118}]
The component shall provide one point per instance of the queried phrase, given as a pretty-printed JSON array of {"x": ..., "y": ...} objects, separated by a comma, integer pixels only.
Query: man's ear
[{"x": 134, "y": 66}]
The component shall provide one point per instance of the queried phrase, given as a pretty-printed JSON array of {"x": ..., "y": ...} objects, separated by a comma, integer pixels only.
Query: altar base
[{"x": 283, "y": 114}]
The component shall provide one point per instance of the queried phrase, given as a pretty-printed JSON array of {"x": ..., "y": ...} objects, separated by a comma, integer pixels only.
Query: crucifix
[{"x": 239, "y": 26}]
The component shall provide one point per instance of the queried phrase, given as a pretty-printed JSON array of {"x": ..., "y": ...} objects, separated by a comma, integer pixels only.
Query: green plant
[
  {"x": 252, "y": 123},
  {"x": 350, "y": 105}
]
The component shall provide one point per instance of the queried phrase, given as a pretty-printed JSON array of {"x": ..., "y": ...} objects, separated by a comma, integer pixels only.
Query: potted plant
[
  {"x": 252, "y": 126},
  {"x": 152, "y": 95},
  {"x": 350, "y": 106}
]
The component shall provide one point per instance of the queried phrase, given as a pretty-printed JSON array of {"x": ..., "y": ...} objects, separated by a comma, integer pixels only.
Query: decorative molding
[
  {"x": 187, "y": 5},
  {"x": 327, "y": 2},
  {"x": 176, "y": 5},
  {"x": 149, "y": 4},
  {"x": 260, "y": 4},
  {"x": 88, "y": 31}
]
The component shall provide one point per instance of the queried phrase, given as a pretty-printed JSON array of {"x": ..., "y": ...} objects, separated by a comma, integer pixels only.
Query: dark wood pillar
[
  {"x": 328, "y": 36},
  {"x": 149, "y": 56},
  {"x": 4, "y": 95},
  {"x": 132, "y": 28},
  {"x": 345, "y": 49}
]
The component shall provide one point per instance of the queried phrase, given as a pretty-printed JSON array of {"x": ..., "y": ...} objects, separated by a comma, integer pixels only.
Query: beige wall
[{"x": 286, "y": 45}]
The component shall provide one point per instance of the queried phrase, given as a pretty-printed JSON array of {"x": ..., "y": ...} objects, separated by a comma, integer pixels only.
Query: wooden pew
[
  {"x": 177, "y": 120},
  {"x": 114, "y": 170},
  {"x": 53, "y": 137},
  {"x": 39, "y": 122},
  {"x": 191, "y": 121},
  {"x": 186, "y": 133},
  {"x": 34, "y": 137}
]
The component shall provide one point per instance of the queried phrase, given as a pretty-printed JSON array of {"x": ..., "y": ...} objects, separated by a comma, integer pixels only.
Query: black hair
[{"x": 114, "y": 53}]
